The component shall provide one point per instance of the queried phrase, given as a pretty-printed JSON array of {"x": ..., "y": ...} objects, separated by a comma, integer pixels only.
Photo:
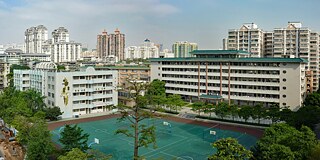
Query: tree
[
  {"x": 287, "y": 115},
  {"x": 315, "y": 153},
  {"x": 234, "y": 111},
  {"x": 74, "y": 154},
  {"x": 312, "y": 100},
  {"x": 97, "y": 155},
  {"x": 143, "y": 135},
  {"x": 25, "y": 125},
  {"x": 72, "y": 137},
  {"x": 222, "y": 110},
  {"x": 39, "y": 143},
  {"x": 258, "y": 112},
  {"x": 35, "y": 100},
  {"x": 278, "y": 152},
  {"x": 25, "y": 103},
  {"x": 175, "y": 102},
  {"x": 198, "y": 107},
  {"x": 290, "y": 140},
  {"x": 12, "y": 103},
  {"x": 230, "y": 149},
  {"x": 156, "y": 93},
  {"x": 209, "y": 108},
  {"x": 61, "y": 67},
  {"x": 53, "y": 113},
  {"x": 307, "y": 115},
  {"x": 34, "y": 133},
  {"x": 245, "y": 112},
  {"x": 273, "y": 113}
]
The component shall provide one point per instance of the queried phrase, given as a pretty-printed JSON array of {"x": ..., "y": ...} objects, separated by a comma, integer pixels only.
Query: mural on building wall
[{"x": 65, "y": 91}]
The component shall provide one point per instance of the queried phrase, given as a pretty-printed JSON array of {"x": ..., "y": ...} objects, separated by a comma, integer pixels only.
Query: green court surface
[{"x": 175, "y": 140}]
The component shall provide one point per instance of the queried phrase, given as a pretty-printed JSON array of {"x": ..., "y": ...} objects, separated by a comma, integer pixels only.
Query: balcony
[
  {"x": 254, "y": 75},
  {"x": 257, "y": 99},
  {"x": 182, "y": 92}
]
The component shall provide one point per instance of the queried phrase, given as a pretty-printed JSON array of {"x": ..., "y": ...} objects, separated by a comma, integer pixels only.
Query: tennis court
[{"x": 175, "y": 140}]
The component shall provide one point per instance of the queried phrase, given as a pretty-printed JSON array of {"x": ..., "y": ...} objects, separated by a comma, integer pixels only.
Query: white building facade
[
  {"x": 234, "y": 77},
  {"x": 292, "y": 41},
  {"x": 248, "y": 38},
  {"x": 145, "y": 51},
  {"x": 34, "y": 39},
  {"x": 65, "y": 52},
  {"x": 76, "y": 93},
  {"x": 61, "y": 48}
]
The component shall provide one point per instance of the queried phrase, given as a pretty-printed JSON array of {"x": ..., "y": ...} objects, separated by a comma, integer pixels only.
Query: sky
[{"x": 205, "y": 22}]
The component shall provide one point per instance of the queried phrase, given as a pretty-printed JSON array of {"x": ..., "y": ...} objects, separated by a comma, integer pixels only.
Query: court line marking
[
  {"x": 157, "y": 149},
  {"x": 106, "y": 131},
  {"x": 168, "y": 145},
  {"x": 177, "y": 157}
]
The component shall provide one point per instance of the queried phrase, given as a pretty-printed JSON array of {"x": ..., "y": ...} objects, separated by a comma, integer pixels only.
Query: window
[
  {"x": 284, "y": 104},
  {"x": 284, "y": 96},
  {"x": 284, "y": 88},
  {"x": 284, "y": 71},
  {"x": 284, "y": 80}
]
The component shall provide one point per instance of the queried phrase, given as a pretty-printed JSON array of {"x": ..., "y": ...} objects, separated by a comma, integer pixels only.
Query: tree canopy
[
  {"x": 72, "y": 137},
  {"x": 312, "y": 99},
  {"x": 143, "y": 135},
  {"x": 74, "y": 154},
  {"x": 230, "y": 149},
  {"x": 284, "y": 141},
  {"x": 34, "y": 133}
]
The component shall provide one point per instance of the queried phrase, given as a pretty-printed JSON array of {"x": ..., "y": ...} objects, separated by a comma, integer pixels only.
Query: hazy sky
[{"x": 205, "y": 22}]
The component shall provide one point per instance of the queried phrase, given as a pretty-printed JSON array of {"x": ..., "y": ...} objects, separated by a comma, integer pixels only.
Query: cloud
[{"x": 83, "y": 18}]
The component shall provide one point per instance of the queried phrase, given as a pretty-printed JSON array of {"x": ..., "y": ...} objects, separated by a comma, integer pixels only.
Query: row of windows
[
  {"x": 235, "y": 86},
  {"x": 92, "y": 77},
  {"x": 223, "y": 71},
  {"x": 262, "y": 64},
  {"x": 76, "y": 86},
  {"x": 244, "y": 79},
  {"x": 241, "y": 94},
  {"x": 92, "y": 93},
  {"x": 93, "y": 101}
]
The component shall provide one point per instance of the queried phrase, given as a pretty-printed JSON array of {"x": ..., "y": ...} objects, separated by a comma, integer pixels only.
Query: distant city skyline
[{"x": 205, "y": 22}]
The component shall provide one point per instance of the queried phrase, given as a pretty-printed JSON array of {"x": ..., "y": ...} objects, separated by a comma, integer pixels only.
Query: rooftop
[
  {"x": 122, "y": 67},
  {"x": 219, "y": 52},
  {"x": 191, "y": 59}
]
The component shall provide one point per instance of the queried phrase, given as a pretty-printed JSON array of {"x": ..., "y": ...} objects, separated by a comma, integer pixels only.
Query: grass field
[{"x": 179, "y": 141}]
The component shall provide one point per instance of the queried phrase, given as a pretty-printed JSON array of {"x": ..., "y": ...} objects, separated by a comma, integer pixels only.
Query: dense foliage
[
  {"x": 26, "y": 111},
  {"x": 281, "y": 141},
  {"x": 24, "y": 103},
  {"x": 34, "y": 133},
  {"x": 230, "y": 149},
  {"x": 72, "y": 137},
  {"x": 74, "y": 154}
]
